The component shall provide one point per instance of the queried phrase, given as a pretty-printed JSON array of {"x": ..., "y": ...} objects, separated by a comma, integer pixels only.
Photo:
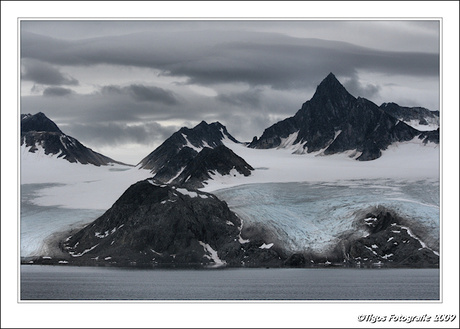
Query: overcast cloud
[
  {"x": 43, "y": 73},
  {"x": 57, "y": 91},
  {"x": 111, "y": 83}
]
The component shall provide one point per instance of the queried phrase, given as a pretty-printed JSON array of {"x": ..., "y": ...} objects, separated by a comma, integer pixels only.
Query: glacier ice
[{"x": 313, "y": 216}]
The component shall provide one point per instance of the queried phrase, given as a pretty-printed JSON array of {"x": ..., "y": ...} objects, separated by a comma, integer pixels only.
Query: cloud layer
[
  {"x": 208, "y": 57},
  {"x": 44, "y": 73}
]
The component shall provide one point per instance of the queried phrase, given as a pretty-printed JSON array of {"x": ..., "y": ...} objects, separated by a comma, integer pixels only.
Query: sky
[{"x": 122, "y": 87}]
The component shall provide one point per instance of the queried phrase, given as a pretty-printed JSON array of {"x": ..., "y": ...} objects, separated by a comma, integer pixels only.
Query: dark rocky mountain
[
  {"x": 334, "y": 121},
  {"x": 154, "y": 224},
  {"x": 420, "y": 115},
  {"x": 202, "y": 135},
  {"x": 39, "y": 131},
  {"x": 189, "y": 155},
  {"x": 390, "y": 242},
  {"x": 38, "y": 122},
  {"x": 209, "y": 162}
]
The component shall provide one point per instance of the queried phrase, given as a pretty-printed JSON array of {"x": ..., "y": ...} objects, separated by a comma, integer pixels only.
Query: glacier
[
  {"x": 39, "y": 223},
  {"x": 313, "y": 217}
]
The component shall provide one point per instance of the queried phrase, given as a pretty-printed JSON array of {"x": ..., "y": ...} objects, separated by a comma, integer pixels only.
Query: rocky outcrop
[
  {"x": 209, "y": 163},
  {"x": 154, "y": 224},
  {"x": 38, "y": 131},
  {"x": 430, "y": 136},
  {"x": 420, "y": 115},
  {"x": 391, "y": 241}
]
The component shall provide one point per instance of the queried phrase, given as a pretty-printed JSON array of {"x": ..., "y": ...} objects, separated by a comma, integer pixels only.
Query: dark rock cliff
[{"x": 153, "y": 224}]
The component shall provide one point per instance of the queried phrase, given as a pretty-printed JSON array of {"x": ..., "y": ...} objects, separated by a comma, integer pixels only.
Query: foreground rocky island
[{"x": 154, "y": 224}]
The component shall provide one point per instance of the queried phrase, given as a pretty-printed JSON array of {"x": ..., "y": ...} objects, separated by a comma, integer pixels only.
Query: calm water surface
[{"x": 96, "y": 283}]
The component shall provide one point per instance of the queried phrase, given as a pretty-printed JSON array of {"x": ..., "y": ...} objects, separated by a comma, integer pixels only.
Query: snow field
[
  {"x": 77, "y": 186},
  {"x": 408, "y": 160}
]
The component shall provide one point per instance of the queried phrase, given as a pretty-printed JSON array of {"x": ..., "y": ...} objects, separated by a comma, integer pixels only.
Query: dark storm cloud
[
  {"x": 143, "y": 93},
  {"x": 100, "y": 108},
  {"x": 45, "y": 74},
  {"x": 246, "y": 99},
  {"x": 245, "y": 114},
  {"x": 300, "y": 64},
  {"x": 57, "y": 91},
  {"x": 113, "y": 133},
  {"x": 210, "y": 57}
]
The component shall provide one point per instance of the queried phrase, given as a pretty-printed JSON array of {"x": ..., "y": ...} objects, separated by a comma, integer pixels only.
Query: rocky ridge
[
  {"x": 192, "y": 156},
  {"x": 38, "y": 131}
]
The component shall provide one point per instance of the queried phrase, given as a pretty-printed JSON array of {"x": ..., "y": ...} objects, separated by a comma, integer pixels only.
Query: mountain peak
[
  {"x": 174, "y": 153},
  {"x": 331, "y": 76},
  {"x": 38, "y": 131},
  {"x": 331, "y": 87},
  {"x": 38, "y": 122},
  {"x": 334, "y": 121},
  {"x": 330, "y": 81},
  {"x": 204, "y": 124}
]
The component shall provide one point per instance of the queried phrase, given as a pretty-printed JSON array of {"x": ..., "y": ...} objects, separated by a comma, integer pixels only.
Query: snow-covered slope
[
  {"x": 75, "y": 185},
  {"x": 403, "y": 160},
  {"x": 419, "y": 118}
]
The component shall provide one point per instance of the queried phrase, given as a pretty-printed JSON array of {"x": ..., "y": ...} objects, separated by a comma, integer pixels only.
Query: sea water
[{"x": 42, "y": 282}]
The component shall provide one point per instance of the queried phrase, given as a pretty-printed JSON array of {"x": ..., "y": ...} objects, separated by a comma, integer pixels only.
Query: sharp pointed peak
[
  {"x": 330, "y": 86},
  {"x": 330, "y": 79}
]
